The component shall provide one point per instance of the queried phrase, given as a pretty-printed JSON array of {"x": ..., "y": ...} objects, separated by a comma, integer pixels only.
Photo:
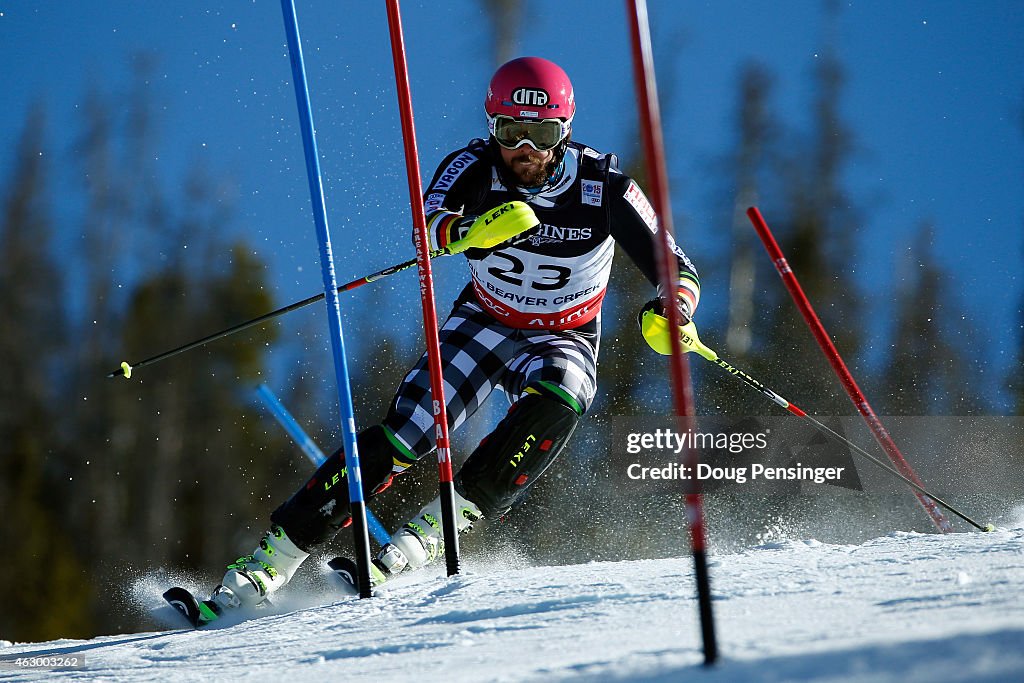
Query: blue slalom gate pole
[
  {"x": 312, "y": 451},
  {"x": 291, "y": 425},
  {"x": 347, "y": 412}
]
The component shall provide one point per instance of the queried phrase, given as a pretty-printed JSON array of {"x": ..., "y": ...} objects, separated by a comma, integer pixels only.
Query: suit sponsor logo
[
  {"x": 523, "y": 450},
  {"x": 547, "y": 234},
  {"x": 592, "y": 192},
  {"x": 678, "y": 251},
  {"x": 635, "y": 196},
  {"x": 435, "y": 200},
  {"x": 496, "y": 213},
  {"x": 454, "y": 170},
  {"x": 530, "y": 97}
]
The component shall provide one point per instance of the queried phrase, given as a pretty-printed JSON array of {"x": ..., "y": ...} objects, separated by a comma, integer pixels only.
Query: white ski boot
[
  {"x": 421, "y": 539},
  {"x": 250, "y": 579}
]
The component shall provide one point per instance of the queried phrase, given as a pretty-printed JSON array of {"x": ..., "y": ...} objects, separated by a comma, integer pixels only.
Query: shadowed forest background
[{"x": 104, "y": 480}]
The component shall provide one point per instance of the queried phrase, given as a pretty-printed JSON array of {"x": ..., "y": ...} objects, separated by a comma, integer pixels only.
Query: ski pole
[
  {"x": 494, "y": 236},
  {"x": 692, "y": 343},
  {"x": 126, "y": 368}
]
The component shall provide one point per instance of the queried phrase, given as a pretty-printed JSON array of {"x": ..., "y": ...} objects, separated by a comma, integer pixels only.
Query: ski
[{"x": 197, "y": 612}]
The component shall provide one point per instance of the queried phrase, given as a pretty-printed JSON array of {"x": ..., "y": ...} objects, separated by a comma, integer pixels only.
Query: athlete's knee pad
[
  {"x": 516, "y": 453},
  {"x": 320, "y": 508}
]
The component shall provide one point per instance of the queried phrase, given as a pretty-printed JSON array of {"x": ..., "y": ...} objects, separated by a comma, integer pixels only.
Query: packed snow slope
[{"x": 905, "y": 607}]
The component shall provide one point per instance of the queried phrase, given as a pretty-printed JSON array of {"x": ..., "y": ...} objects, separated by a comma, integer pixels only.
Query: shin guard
[
  {"x": 516, "y": 453},
  {"x": 320, "y": 508}
]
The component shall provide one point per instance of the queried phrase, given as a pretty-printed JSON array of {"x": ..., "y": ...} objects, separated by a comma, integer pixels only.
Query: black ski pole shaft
[
  {"x": 822, "y": 427},
  {"x": 126, "y": 368},
  {"x": 825, "y": 429}
]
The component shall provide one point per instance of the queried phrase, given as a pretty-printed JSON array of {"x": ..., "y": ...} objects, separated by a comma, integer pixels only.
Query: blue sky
[{"x": 934, "y": 93}]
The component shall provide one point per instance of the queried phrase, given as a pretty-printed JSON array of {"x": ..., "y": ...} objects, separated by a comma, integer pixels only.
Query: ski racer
[{"x": 527, "y": 323}]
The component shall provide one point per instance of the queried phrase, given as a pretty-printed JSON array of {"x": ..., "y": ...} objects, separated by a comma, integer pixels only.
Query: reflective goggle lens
[{"x": 541, "y": 135}]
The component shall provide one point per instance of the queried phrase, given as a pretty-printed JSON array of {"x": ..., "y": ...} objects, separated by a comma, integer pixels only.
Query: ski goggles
[{"x": 542, "y": 135}]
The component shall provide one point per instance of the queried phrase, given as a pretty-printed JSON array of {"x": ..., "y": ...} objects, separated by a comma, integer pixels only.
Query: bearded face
[{"x": 530, "y": 167}]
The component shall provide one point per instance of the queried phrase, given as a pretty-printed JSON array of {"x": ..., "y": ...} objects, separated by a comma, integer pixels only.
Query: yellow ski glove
[
  {"x": 655, "y": 329},
  {"x": 496, "y": 226}
]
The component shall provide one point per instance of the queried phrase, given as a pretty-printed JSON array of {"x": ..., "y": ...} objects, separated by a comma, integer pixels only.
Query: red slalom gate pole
[
  {"x": 444, "y": 462},
  {"x": 682, "y": 389},
  {"x": 836, "y": 361}
]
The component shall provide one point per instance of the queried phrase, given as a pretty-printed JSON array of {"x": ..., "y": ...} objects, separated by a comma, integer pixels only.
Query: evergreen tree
[
  {"x": 167, "y": 469},
  {"x": 750, "y": 309},
  {"x": 92, "y": 454},
  {"x": 815, "y": 229},
  {"x": 1016, "y": 383},
  {"x": 755, "y": 131},
  {"x": 926, "y": 372},
  {"x": 32, "y": 485},
  {"x": 209, "y": 454},
  {"x": 1016, "y": 379},
  {"x": 506, "y": 18}
]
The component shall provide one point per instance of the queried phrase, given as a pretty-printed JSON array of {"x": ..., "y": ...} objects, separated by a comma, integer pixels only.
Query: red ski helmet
[
  {"x": 530, "y": 87},
  {"x": 525, "y": 90}
]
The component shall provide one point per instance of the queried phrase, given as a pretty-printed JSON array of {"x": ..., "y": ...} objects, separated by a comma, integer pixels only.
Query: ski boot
[
  {"x": 420, "y": 540},
  {"x": 251, "y": 579}
]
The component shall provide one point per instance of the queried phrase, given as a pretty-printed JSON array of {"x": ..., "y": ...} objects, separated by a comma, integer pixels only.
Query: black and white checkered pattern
[{"x": 479, "y": 355}]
